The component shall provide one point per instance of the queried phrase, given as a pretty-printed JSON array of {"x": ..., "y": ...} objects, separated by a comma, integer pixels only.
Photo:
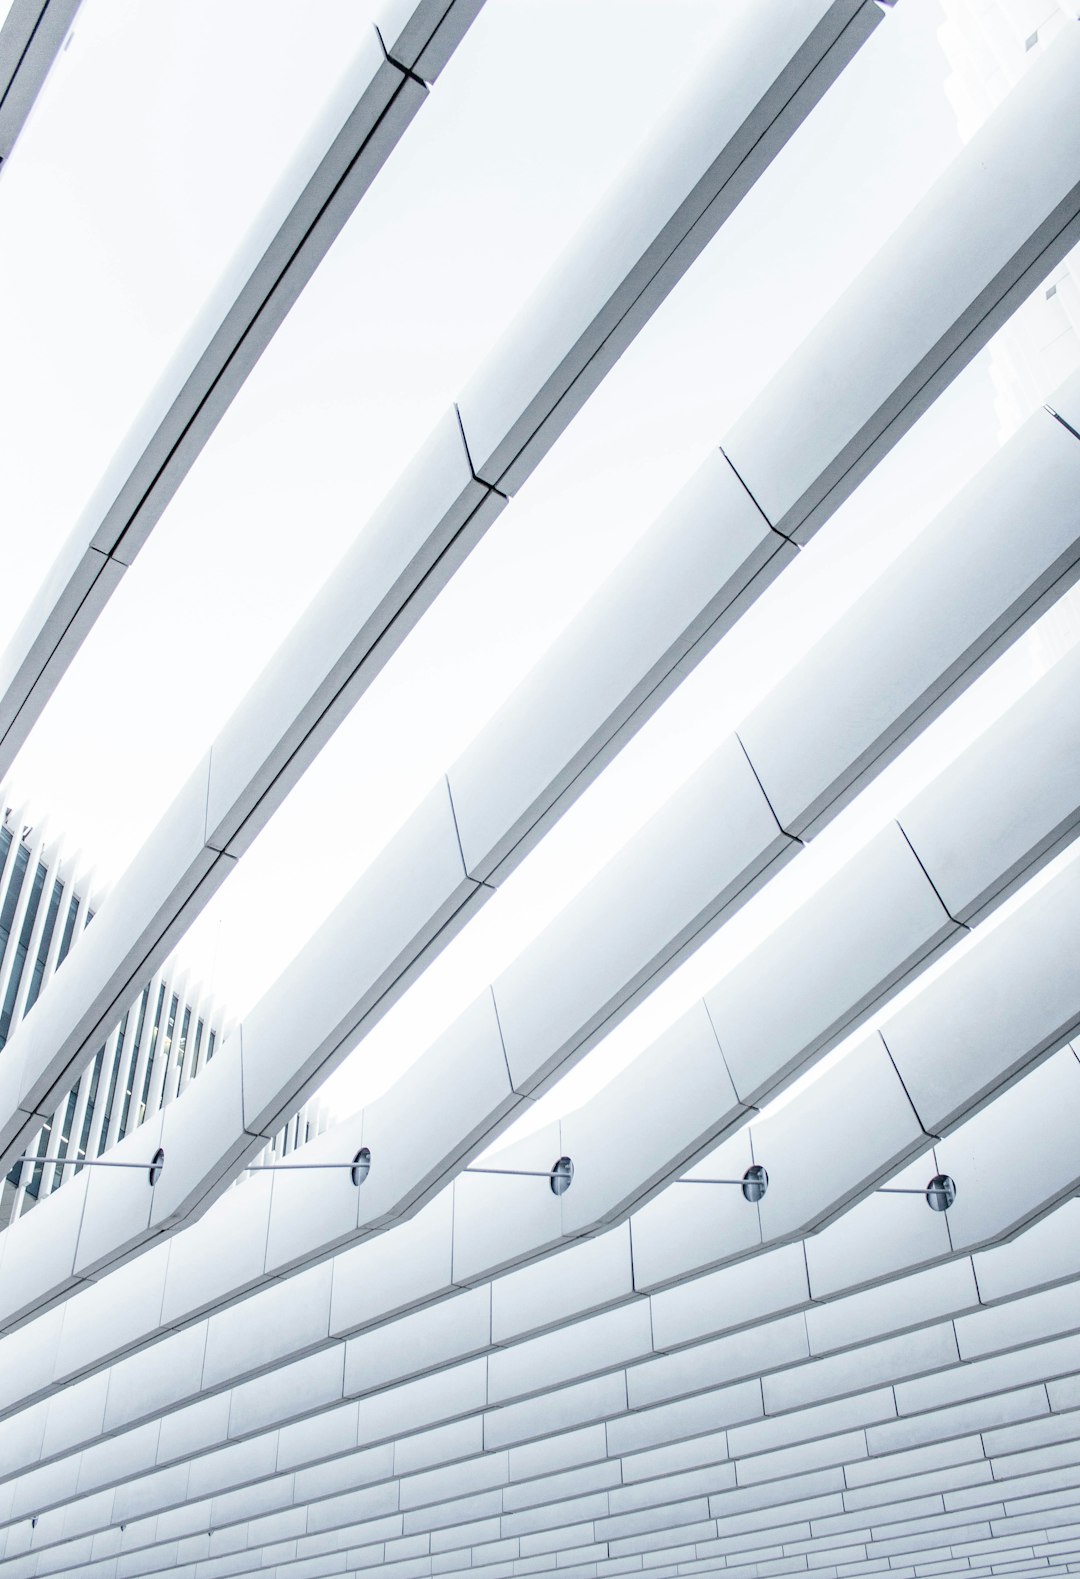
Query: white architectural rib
[
  {"x": 745, "y": 107},
  {"x": 375, "y": 103},
  {"x": 303, "y": 695},
  {"x": 31, "y": 37},
  {"x": 239, "y": 1099}
]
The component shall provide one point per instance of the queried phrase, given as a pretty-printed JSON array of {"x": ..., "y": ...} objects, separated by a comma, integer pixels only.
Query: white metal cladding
[{"x": 653, "y": 1373}]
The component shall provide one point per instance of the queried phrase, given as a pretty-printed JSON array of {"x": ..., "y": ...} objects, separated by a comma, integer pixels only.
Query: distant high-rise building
[
  {"x": 989, "y": 45},
  {"x": 169, "y": 1033},
  {"x": 166, "y": 1036}
]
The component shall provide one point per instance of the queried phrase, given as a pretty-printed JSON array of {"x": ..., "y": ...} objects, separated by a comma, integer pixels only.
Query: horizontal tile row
[{"x": 621, "y": 1509}]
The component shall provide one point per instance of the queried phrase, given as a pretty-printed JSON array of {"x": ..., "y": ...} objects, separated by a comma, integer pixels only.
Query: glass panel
[
  {"x": 166, "y": 1051},
  {"x": 11, "y": 896},
  {"x": 56, "y": 1178},
  {"x": 45, "y": 944},
  {"x": 198, "y": 1045},
  {"x": 33, "y": 1187},
  {"x": 151, "y": 1055},
  {"x": 182, "y": 1049},
  {"x": 117, "y": 1056},
  {"x": 69, "y": 930},
  {"x": 91, "y": 1101},
  {"x": 129, "y": 1087}
]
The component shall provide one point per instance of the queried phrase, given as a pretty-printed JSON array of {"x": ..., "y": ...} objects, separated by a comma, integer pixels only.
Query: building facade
[{"x": 169, "y": 1032}]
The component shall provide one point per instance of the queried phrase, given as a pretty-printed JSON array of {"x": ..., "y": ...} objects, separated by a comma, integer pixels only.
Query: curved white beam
[
  {"x": 30, "y": 40},
  {"x": 335, "y": 651}
]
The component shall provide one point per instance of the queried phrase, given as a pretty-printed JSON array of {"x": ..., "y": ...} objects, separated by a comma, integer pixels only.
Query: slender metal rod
[
  {"x": 85, "y": 1162},
  {"x": 295, "y": 1167},
  {"x": 514, "y": 1173},
  {"x": 932, "y": 1189}
]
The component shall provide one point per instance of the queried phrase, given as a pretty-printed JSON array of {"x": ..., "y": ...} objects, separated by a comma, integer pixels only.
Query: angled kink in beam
[
  {"x": 31, "y": 37},
  {"x": 959, "y": 865},
  {"x": 677, "y": 1240},
  {"x": 359, "y": 127},
  {"x": 749, "y": 101}
]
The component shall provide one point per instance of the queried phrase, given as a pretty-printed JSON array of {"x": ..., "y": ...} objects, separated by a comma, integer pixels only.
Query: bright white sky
[{"x": 156, "y": 140}]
